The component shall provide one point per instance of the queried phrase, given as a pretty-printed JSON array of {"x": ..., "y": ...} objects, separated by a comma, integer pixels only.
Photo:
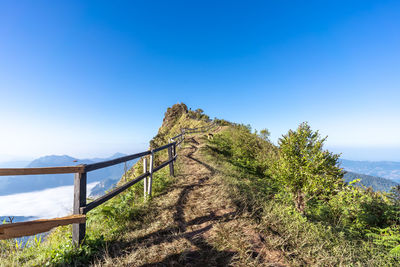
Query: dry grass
[{"x": 195, "y": 223}]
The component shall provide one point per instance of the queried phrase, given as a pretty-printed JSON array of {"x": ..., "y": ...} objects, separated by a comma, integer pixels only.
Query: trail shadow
[
  {"x": 196, "y": 258},
  {"x": 193, "y": 141},
  {"x": 203, "y": 254},
  {"x": 194, "y": 150}
]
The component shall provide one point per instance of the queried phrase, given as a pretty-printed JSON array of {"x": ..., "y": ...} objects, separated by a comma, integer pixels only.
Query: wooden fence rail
[{"x": 80, "y": 207}]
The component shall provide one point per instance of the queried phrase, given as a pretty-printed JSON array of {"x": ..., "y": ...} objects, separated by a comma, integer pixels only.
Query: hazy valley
[{"x": 47, "y": 196}]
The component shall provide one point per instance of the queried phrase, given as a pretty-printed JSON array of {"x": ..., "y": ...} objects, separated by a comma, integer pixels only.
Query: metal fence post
[
  {"x": 79, "y": 230},
  {"x": 145, "y": 181},
  {"x": 150, "y": 180}
]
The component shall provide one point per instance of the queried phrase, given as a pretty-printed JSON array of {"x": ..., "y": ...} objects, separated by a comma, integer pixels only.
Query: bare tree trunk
[{"x": 300, "y": 201}]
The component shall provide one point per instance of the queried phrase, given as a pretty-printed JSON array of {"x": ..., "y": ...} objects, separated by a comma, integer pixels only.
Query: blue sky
[{"x": 90, "y": 78}]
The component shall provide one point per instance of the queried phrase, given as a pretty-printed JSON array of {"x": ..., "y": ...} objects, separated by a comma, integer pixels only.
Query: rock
[{"x": 173, "y": 114}]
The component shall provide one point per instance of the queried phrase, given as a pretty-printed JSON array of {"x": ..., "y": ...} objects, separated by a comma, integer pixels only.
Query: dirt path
[{"x": 195, "y": 224}]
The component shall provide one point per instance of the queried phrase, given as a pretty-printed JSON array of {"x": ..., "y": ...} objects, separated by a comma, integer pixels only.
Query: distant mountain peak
[
  {"x": 53, "y": 161},
  {"x": 377, "y": 183},
  {"x": 19, "y": 184},
  {"x": 385, "y": 169},
  {"x": 118, "y": 155}
]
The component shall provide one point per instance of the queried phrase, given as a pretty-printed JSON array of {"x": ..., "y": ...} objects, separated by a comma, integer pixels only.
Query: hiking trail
[{"x": 195, "y": 223}]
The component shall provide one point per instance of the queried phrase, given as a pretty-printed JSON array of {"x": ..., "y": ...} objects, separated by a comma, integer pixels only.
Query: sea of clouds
[{"x": 48, "y": 203}]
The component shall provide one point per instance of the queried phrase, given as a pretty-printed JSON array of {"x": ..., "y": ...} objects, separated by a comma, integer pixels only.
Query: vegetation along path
[{"x": 195, "y": 224}]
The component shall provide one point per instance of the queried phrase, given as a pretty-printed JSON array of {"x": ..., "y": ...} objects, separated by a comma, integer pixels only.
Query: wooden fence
[{"x": 80, "y": 207}]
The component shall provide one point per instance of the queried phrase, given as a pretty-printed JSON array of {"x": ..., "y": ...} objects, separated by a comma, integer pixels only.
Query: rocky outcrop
[{"x": 173, "y": 114}]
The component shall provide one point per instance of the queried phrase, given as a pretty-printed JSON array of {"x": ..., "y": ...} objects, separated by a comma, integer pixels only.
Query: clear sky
[{"x": 90, "y": 78}]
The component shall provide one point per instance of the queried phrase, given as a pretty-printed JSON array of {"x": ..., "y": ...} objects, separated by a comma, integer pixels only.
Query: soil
[{"x": 195, "y": 224}]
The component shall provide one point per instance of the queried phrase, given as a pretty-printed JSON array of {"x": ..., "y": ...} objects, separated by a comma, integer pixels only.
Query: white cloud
[{"x": 48, "y": 203}]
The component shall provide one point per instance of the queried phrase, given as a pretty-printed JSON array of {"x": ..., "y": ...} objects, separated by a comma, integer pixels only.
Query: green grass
[
  {"x": 105, "y": 225},
  {"x": 304, "y": 240},
  {"x": 351, "y": 227}
]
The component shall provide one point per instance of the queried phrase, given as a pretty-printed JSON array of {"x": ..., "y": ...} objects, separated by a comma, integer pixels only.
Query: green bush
[
  {"x": 222, "y": 122},
  {"x": 356, "y": 210},
  {"x": 244, "y": 149},
  {"x": 304, "y": 169},
  {"x": 342, "y": 225}
]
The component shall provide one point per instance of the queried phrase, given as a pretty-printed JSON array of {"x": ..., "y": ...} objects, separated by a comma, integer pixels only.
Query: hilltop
[{"x": 236, "y": 200}]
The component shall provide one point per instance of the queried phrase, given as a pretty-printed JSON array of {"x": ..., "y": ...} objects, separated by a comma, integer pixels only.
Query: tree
[
  {"x": 304, "y": 168},
  {"x": 264, "y": 134},
  {"x": 394, "y": 195}
]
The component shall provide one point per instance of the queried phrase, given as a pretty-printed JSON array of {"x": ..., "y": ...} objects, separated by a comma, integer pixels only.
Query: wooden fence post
[
  {"x": 79, "y": 230},
  {"x": 175, "y": 150},
  {"x": 150, "y": 184},
  {"x": 145, "y": 181},
  {"x": 170, "y": 157},
  {"x": 183, "y": 139}
]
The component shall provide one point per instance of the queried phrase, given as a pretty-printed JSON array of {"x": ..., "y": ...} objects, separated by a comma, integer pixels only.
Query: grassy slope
[
  {"x": 107, "y": 223},
  {"x": 196, "y": 223},
  {"x": 114, "y": 228},
  {"x": 303, "y": 242}
]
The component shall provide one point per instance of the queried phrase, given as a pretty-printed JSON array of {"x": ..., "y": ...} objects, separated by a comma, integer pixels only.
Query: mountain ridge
[
  {"x": 377, "y": 183},
  {"x": 385, "y": 169},
  {"x": 28, "y": 183}
]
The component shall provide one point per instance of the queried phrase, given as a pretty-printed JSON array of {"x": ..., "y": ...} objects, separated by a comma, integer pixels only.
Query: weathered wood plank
[
  {"x": 112, "y": 194},
  {"x": 150, "y": 180},
  {"x": 103, "y": 164},
  {"x": 162, "y": 165},
  {"x": 163, "y": 147},
  {"x": 180, "y": 141},
  {"x": 145, "y": 179},
  {"x": 171, "y": 162},
  {"x": 45, "y": 170},
  {"x": 19, "y": 229},
  {"x": 80, "y": 183},
  {"x": 177, "y": 136},
  {"x": 80, "y": 186}
]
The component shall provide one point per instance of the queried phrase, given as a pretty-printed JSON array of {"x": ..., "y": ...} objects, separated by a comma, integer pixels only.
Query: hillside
[
  {"x": 234, "y": 201},
  {"x": 386, "y": 169},
  {"x": 195, "y": 223},
  {"x": 377, "y": 183}
]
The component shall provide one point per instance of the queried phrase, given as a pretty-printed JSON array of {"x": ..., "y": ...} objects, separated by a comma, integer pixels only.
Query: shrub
[
  {"x": 356, "y": 210},
  {"x": 304, "y": 168},
  {"x": 312, "y": 240},
  {"x": 245, "y": 149}
]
